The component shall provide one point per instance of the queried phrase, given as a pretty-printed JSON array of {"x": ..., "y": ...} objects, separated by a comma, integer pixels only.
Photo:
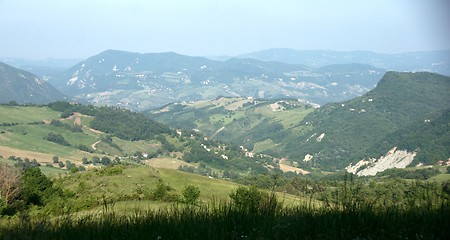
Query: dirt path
[
  {"x": 77, "y": 121},
  {"x": 170, "y": 163},
  {"x": 93, "y": 130},
  {"x": 94, "y": 145},
  {"x": 218, "y": 131}
]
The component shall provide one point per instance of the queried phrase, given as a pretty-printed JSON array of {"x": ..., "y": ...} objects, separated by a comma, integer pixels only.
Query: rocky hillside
[{"x": 24, "y": 87}]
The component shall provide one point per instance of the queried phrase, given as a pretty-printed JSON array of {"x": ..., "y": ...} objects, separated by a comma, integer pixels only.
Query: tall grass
[{"x": 346, "y": 217}]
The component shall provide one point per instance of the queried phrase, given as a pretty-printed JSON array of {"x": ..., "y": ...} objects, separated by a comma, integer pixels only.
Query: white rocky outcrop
[
  {"x": 393, "y": 159},
  {"x": 308, "y": 157}
]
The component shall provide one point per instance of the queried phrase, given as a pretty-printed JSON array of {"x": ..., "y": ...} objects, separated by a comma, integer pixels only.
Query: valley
[
  {"x": 224, "y": 153},
  {"x": 218, "y": 120}
]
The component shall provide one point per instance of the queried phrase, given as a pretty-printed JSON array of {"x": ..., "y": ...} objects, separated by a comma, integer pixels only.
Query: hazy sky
[{"x": 82, "y": 28}]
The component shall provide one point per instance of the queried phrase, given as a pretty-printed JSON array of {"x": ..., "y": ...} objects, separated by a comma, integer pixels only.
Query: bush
[
  {"x": 57, "y": 138},
  {"x": 61, "y": 164},
  {"x": 95, "y": 159},
  {"x": 253, "y": 201},
  {"x": 106, "y": 161},
  {"x": 85, "y": 148},
  {"x": 111, "y": 171},
  {"x": 162, "y": 192},
  {"x": 191, "y": 194},
  {"x": 85, "y": 160},
  {"x": 36, "y": 187},
  {"x": 74, "y": 169}
]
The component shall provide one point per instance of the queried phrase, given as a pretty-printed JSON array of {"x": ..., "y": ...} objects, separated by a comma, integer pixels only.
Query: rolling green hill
[
  {"x": 121, "y": 157},
  {"x": 86, "y": 136},
  {"x": 242, "y": 121}
]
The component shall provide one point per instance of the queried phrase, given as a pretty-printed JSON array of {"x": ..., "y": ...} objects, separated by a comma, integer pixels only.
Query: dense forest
[{"x": 118, "y": 122}]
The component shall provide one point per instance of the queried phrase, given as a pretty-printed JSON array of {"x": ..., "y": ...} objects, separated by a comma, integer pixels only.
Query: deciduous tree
[{"x": 10, "y": 184}]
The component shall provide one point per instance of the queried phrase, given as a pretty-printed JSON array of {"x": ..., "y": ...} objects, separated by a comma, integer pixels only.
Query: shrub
[
  {"x": 57, "y": 138},
  {"x": 84, "y": 148},
  {"x": 253, "y": 201},
  {"x": 95, "y": 159},
  {"x": 191, "y": 194},
  {"x": 61, "y": 164},
  {"x": 162, "y": 192},
  {"x": 85, "y": 160},
  {"x": 106, "y": 161},
  {"x": 111, "y": 171}
]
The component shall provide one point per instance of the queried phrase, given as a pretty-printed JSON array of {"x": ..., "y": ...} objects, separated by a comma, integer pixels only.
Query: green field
[
  {"x": 24, "y": 114},
  {"x": 264, "y": 145},
  {"x": 133, "y": 179},
  {"x": 32, "y": 138},
  {"x": 26, "y": 138},
  {"x": 441, "y": 178}
]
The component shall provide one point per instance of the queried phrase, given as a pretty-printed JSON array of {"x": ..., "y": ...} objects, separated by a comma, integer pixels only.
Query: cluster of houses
[{"x": 443, "y": 163}]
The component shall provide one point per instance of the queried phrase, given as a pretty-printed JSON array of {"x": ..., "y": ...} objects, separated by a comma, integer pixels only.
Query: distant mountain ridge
[
  {"x": 430, "y": 61},
  {"x": 143, "y": 81},
  {"x": 43, "y": 68},
  {"x": 24, "y": 87}
]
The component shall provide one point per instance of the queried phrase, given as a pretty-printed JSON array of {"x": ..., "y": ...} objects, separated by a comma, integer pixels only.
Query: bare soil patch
[
  {"x": 286, "y": 168},
  {"x": 170, "y": 163}
]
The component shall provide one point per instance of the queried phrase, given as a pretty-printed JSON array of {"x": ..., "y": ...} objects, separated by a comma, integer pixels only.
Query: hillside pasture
[{"x": 26, "y": 114}]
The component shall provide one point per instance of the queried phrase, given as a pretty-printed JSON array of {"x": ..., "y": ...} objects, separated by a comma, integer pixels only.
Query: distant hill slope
[
  {"x": 43, "y": 68},
  {"x": 83, "y": 133},
  {"x": 405, "y": 110},
  {"x": 409, "y": 111},
  {"x": 142, "y": 81},
  {"x": 24, "y": 87},
  {"x": 431, "y": 61},
  {"x": 243, "y": 121}
]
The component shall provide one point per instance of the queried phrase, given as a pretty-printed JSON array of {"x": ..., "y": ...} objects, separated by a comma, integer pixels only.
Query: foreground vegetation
[
  {"x": 249, "y": 215},
  {"x": 109, "y": 203},
  {"x": 100, "y": 186}
]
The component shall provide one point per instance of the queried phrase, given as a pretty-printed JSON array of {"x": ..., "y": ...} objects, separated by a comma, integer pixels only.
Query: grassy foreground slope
[{"x": 352, "y": 210}]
